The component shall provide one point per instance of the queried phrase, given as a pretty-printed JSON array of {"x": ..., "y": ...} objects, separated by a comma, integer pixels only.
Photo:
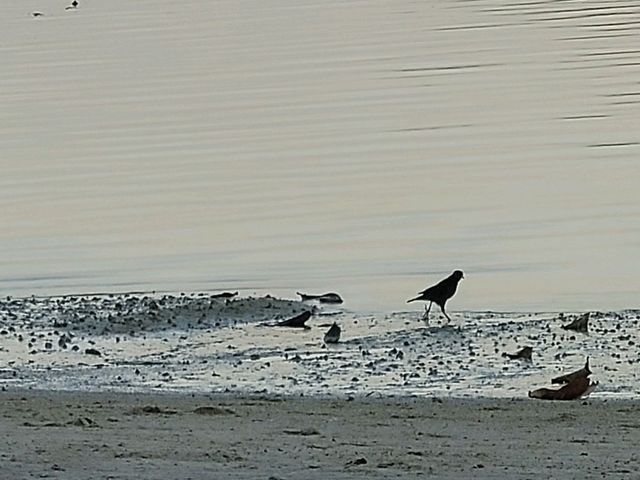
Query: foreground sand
[{"x": 135, "y": 436}]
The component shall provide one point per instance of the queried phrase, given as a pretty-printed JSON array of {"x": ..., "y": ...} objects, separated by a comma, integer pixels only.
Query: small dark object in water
[
  {"x": 38, "y": 14},
  {"x": 92, "y": 351},
  {"x": 358, "y": 461},
  {"x": 73, "y": 5},
  {"x": 324, "y": 298},
  {"x": 580, "y": 324},
  {"x": 306, "y": 432},
  {"x": 440, "y": 293},
  {"x": 523, "y": 354},
  {"x": 224, "y": 295},
  {"x": 577, "y": 388},
  {"x": 333, "y": 334},
  {"x": 297, "y": 321},
  {"x": 584, "y": 372}
]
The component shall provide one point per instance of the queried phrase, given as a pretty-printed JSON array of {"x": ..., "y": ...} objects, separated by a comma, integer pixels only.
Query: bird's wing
[{"x": 433, "y": 289}]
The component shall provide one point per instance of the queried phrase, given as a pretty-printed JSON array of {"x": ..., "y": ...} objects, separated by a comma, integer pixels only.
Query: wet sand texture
[{"x": 201, "y": 344}]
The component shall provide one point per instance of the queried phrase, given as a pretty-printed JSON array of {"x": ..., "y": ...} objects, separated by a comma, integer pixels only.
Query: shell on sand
[
  {"x": 522, "y": 354},
  {"x": 296, "y": 322},
  {"x": 333, "y": 334},
  {"x": 580, "y": 324}
]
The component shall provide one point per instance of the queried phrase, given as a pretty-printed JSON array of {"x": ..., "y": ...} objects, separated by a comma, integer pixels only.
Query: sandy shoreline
[{"x": 149, "y": 436}]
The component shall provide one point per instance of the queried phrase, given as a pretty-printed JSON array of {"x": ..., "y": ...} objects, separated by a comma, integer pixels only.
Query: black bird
[
  {"x": 73, "y": 5},
  {"x": 440, "y": 293}
]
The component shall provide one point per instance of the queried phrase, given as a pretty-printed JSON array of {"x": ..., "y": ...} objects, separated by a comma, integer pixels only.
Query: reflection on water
[{"x": 364, "y": 147}]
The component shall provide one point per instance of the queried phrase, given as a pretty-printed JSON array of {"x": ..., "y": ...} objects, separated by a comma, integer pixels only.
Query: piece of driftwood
[
  {"x": 523, "y": 354},
  {"x": 577, "y": 388},
  {"x": 324, "y": 298},
  {"x": 333, "y": 334},
  {"x": 296, "y": 322},
  {"x": 580, "y": 324},
  {"x": 584, "y": 372},
  {"x": 224, "y": 295}
]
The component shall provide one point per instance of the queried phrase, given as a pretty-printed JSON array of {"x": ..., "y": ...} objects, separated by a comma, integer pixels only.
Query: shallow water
[{"x": 364, "y": 147}]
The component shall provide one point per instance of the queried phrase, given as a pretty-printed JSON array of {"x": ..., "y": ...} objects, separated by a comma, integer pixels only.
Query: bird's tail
[{"x": 419, "y": 297}]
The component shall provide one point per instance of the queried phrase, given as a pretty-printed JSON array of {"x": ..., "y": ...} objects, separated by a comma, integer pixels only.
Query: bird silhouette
[{"x": 439, "y": 293}]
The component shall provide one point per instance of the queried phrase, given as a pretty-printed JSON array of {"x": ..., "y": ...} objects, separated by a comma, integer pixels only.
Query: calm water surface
[{"x": 364, "y": 147}]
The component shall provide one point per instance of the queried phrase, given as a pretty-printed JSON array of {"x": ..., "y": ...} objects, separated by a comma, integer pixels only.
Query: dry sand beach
[{"x": 71, "y": 436}]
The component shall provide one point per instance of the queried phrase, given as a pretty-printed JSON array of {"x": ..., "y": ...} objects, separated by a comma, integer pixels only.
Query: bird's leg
[
  {"x": 425, "y": 317},
  {"x": 445, "y": 314}
]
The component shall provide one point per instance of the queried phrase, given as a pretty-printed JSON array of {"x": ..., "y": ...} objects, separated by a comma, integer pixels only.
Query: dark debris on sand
[{"x": 129, "y": 313}]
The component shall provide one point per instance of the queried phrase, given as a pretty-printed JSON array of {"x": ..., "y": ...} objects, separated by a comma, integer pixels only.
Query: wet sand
[
  {"x": 127, "y": 436},
  {"x": 197, "y": 343}
]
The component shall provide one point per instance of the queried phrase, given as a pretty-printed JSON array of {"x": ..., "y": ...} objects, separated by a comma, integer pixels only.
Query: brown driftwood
[
  {"x": 575, "y": 389},
  {"x": 297, "y": 321},
  {"x": 524, "y": 354},
  {"x": 324, "y": 298},
  {"x": 580, "y": 324},
  {"x": 584, "y": 372}
]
